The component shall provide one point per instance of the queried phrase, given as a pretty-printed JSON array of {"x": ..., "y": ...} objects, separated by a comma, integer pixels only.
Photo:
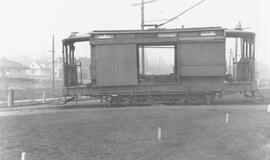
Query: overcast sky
[{"x": 27, "y": 25}]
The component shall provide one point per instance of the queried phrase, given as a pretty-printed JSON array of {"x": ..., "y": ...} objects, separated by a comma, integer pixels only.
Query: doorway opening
[{"x": 157, "y": 63}]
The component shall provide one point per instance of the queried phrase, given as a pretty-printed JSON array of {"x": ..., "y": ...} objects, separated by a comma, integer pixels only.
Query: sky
[{"x": 27, "y": 26}]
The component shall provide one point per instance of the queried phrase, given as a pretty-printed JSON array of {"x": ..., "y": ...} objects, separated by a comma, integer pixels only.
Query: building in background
[
  {"x": 11, "y": 69},
  {"x": 58, "y": 68},
  {"x": 40, "y": 68}
]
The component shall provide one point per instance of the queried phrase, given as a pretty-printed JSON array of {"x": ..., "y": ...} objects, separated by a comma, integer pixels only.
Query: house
[
  {"x": 58, "y": 68},
  {"x": 12, "y": 69},
  {"x": 40, "y": 68}
]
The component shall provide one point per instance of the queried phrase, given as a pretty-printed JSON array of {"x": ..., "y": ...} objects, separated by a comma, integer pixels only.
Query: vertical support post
[
  {"x": 142, "y": 27},
  {"x": 227, "y": 118},
  {"x": 72, "y": 53},
  {"x": 246, "y": 49},
  {"x": 66, "y": 53},
  {"x": 76, "y": 99},
  {"x": 250, "y": 49},
  {"x": 69, "y": 54},
  {"x": 63, "y": 62},
  {"x": 81, "y": 73},
  {"x": 43, "y": 97},
  {"x": 53, "y": 85},
  {"x": 143, "y": 61},
  {"x": 10, "y": 98},
  {"x": 53, "y": 51},
  {"x": 63, "y": 53},
  {"x": 159, "y": 133},
  {"x": 65, "y": 65},
  {"x": 242, "y": 48},
  {"x": 23, "y": 156},
  {"x": 253, "y": 58},
  {"x": 176, "y": 63},
  {"x": 250, "y": 63},
  {"x": 230, "y": 61},
  {"x": 235, "y": 59},
  {"x": 236, "y": 49},
  {"x": 73, "y": 56}
]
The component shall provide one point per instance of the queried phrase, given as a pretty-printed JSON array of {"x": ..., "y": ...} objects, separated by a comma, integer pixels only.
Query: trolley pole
[{"x": 53, "y": 51}]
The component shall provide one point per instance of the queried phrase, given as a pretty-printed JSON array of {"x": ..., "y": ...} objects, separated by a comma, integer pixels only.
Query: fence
[{"x": 30, "y": 96}]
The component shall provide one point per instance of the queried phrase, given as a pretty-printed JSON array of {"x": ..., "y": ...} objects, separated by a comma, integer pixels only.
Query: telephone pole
[
  {"x": 142, "y": 27},
  {"x": 53, "y": 51},
  {"x": 142, "y": 14}
]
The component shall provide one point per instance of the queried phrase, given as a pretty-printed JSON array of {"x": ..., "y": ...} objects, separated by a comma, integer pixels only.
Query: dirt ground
[{"x": 128, "y": 133}]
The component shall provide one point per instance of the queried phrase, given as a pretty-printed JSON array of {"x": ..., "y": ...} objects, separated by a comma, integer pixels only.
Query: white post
[
  {"x": 10, "y": 97},
  {"x": 268, "y": 108},
  {"x": 43, "y": 97},
  {"x": 159, "y": 133},
  {"x": 23, "y": 156},
  {"x": 227, "y": 117}
]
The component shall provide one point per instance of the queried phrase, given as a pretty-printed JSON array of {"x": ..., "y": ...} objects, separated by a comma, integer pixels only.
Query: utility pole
[
  {"x": 230, "y": 61},
  {"x": 142, "y": 28},
  {"x": 142, "y": 10},
  {"x": 142, "y": 15},
  {"x": 53, "y": 51}
]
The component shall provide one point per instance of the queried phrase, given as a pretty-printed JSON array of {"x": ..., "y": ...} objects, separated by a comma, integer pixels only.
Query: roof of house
[
  {"x": 8, "y": 64},
  {"x": 41, "y": 64}
]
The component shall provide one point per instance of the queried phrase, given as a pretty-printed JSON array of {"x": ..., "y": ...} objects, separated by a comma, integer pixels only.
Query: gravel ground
[{"x": 128, "y": 133}]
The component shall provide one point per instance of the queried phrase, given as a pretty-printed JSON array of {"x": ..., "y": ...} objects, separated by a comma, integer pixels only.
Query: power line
[
  {"x": 157, "y": 20},
  {"x": 180, "y": 13}
]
